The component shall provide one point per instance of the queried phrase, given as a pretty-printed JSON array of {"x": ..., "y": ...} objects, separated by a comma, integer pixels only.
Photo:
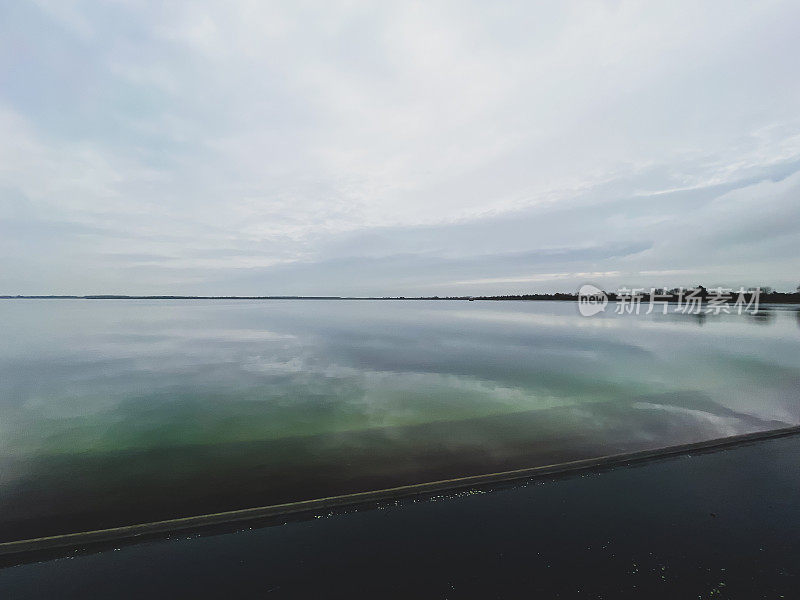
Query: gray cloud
[{"x": 396, "y": 148}]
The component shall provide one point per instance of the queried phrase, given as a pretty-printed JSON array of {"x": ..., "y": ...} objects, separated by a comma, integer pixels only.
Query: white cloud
[{"x": 228, "y": 139}]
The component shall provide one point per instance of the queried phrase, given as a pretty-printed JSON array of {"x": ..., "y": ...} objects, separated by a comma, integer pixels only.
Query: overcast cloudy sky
[{"x": 397, "y": 148}]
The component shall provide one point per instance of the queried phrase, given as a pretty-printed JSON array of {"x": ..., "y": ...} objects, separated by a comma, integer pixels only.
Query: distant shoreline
[{"x": 772, "y": 298}]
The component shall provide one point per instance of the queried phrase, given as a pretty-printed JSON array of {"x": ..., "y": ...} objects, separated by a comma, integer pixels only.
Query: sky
[{"x": 409, "y": 148}]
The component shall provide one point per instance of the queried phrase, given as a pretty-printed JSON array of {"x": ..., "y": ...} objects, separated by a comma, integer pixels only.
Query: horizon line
[{"x": 541, "y": 295}]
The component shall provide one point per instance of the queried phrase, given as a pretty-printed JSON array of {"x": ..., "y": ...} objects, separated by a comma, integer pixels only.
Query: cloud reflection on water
[{"x": 369, "y": 392}]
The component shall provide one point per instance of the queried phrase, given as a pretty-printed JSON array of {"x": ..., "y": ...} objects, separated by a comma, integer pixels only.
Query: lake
[{"x": 122, "y": 411}]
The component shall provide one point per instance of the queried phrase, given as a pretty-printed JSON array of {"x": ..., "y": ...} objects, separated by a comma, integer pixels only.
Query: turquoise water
[{"x": 120, "y": 410}]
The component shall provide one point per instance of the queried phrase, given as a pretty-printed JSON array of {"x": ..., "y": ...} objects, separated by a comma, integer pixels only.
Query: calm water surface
[{"x": 115, "y": 411}]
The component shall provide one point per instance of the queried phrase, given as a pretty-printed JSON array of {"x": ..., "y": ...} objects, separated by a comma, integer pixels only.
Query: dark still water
[{"x": 115, "y": 412}]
